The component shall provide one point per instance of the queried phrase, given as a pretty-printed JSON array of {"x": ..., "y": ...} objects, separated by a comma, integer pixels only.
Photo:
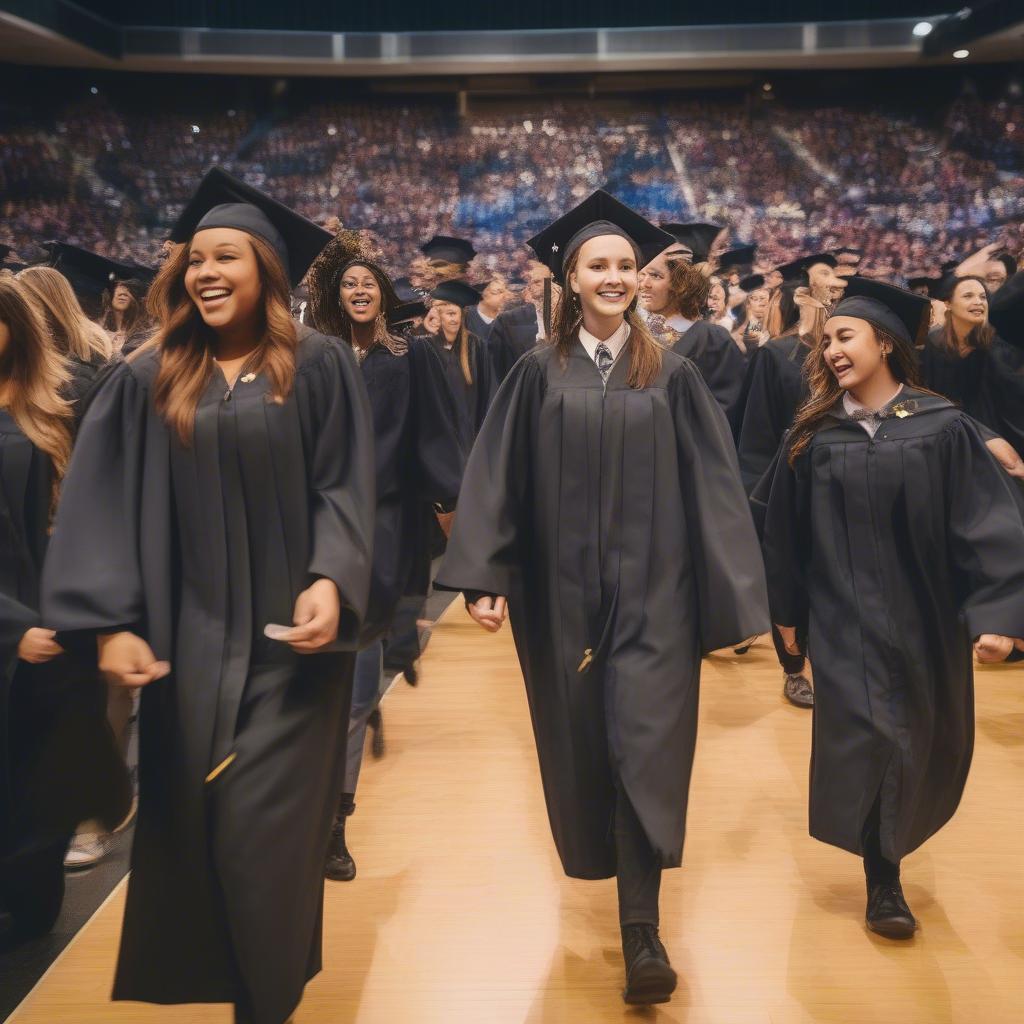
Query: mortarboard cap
[
  {"x": 89, "y": 273},
  {"x": 224, "y": 201},
  {"x": 896, "y": 311},
  {"x": 406, "y": 292},
  {"x": 740, "y": 255},
  {"x": 449, "y": 249},
  {"x": 456, "y": 292},
  {"x": 795, "y": 272},
  {"x": 752, "y": 282},
  {"x": 1006, "y": 310},
  {"x": 406, "y": 311},
  {"x": 697, "y": 236},
  {"x": 599, "y": 214}
]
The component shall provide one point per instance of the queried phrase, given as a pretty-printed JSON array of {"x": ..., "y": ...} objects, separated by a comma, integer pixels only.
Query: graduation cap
[
  {"x": 406, "y": 311},
  {"x": 456, "y": 292},
  {"x": 932, "y": 285},
  {"x": 740, "y": 255},
  {"x": 1006, "y": 310},
  {"x": 406, "y": 291},
  {"x": 599, "y": 214},
  {"x": 896, "y": 311},
  {"x": 224, "y": 201},
  {"x": 448, "y": 249},
  {"x": 89, "y": 273},
  {"x": 752, "y": 282},
  {"x": 698, "y": 237},
  {"x": 795, "y": 272}
]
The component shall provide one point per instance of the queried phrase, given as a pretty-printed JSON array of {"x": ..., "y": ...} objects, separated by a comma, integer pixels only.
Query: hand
[
  {"x": 1007, "y": 456},
  {"x": 445, "y": 520},
  {"x": 991, "y": 648},
  {"x": 37, "y": 646},
  {"x": 788, "y": 634},
  {"x": 489, "y": 612},
  {"x": 127, "y": 660},
  {"x": 975, "y": 263},
  {"x": 316, "y": 617}
]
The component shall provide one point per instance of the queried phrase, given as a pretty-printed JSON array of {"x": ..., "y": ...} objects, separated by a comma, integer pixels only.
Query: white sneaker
[{"x": 86, "y": 849}]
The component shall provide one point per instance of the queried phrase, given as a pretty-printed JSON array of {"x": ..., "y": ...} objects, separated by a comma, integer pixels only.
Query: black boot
[
  {"x": 887, "y": 912},
  {"x": 376, "y": 724},
  {"x": 340, "y": 866},
  {"x": 649, "y": 975}
]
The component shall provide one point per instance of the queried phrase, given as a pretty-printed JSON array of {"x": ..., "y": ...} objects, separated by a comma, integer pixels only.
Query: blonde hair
[{"x": 72, "y": 331}]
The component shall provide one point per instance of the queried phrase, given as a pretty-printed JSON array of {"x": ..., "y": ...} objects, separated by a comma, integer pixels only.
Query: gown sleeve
[
  {"x": 485, "y": 387},
  {"x": 781, "y": 502},
  {"x": 486, "y": 541},
  {"x": 986, "y": 536},
  {"x": 92, "y": 576},
  {"x": 342, "y": 480},
  {"x": 721, "y": 364},
  {"x": 763, "y": 420},
  {"x": 440, "y": 459},
  {"x": 730, "y": 575}
]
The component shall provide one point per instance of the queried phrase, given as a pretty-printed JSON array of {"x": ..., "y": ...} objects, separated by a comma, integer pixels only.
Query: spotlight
[
  {"x": 923, "y": 28},
  {"x": 961, "y": 54},
  {"x": 195, "y": 129},
  {"x": 94, "y": 90}
]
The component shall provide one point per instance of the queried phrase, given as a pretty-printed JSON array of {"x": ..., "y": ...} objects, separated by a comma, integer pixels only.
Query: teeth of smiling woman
[{"x": 214, "y": 293}]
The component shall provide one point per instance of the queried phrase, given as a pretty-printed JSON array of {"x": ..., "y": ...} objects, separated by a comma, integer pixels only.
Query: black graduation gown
[
  {"x": 477, "y": 325},
  {"x": 472, "y": 400},
  {"x": 197, "y": 548},
  {"x": 711, "y": 348},
  {"x": 419, "y": 459},
  {"x": 614, "y": 521},
  {"x": 775, "y": 389},
  {"x": 59, "y": 763},
  {"x": 987, "y": 384},
  {"x": 896, "y": 553},
  {"x": 513, "y": 334}
]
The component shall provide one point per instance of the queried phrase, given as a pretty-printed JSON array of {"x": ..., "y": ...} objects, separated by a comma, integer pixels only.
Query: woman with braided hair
[{"x": 419, "y": 462}]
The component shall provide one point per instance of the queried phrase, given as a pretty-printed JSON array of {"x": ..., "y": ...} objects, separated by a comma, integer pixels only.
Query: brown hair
[
  {"x": 134, "y": 317},
  {"x": 460, "y": 345},
  {"x": 980, "y": 336},
  {"x": 783, "y": 317},
  {"x": 326, "y": 309},
  {"x": 824, "y": 389},
  {"x": 644, "y": 351},
  {"x": 186, "y": 342},
  {"x": 71, "y": 330},
  {"x": 34, "y": 375},
  {"x": 689, "y": 288}
]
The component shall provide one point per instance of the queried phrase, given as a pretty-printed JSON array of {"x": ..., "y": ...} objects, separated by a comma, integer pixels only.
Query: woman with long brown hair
[
  {"x": 673, "y": 295},
  {"x": 893, "y": 542},
  {"x": 214, "y": 536},
  {"x": 467, "y": 367},
  {"x": 124, "y": 314},
  {"x": 602, "y": 502},
  {"x": 419, "y": 462},
  {"x": 965, "y": 359},
  {"x": 84, "y": 344},
  {"x": 58, "y": 762}
]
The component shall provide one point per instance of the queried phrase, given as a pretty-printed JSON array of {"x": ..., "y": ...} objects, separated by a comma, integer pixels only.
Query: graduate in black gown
[
  {"x": 893, "y": 537},
  {"x": 419, "y": 462},
  {"x": 602, "y": 501},
  {"x": 463, "y": 356},
  {"x": 59, "y": 763},
  {"x": 519, "y": 329},
  {"x": 480, "y": 319},
  {"x": 673, "y": 295},
  {"x": 223, "y": 484},
  {"x": 974, "y": 366}
]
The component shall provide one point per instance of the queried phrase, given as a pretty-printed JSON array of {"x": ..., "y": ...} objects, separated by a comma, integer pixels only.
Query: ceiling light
[
  {"x": 923, "y": 28},
  {"x": 961, "y": 54}
]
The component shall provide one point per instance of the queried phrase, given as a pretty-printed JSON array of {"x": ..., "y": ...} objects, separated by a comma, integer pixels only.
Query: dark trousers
[
  {"x": 877, "y": 869},
  {"x": 792, "y": 664},
  {"x": 638, "y": 866}
]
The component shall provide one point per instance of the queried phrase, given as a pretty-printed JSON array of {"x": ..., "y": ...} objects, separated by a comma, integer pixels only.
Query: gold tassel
[
  {"x": 588, "y": 657},
  {"x": 225, "y": 764}
]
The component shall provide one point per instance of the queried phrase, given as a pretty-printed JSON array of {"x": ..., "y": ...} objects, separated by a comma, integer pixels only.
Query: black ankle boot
[
  {"x": 887, "y": 911},
  {"x": 649, "y": 975},
  {"x": 340, "y": 866},
  {"x": 376, "y": 724}
]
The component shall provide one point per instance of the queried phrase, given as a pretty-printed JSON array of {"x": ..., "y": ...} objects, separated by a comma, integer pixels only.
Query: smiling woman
[{"x": 222, "y": 484}]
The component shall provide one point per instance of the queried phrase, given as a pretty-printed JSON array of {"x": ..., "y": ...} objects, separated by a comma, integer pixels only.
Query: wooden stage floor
[{"x": 460, "y": 912}]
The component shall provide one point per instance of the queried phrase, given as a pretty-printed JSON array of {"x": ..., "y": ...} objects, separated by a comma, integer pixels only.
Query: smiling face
[
  {"x": 852, "y": 350},
  {"x": 223, "y": 277},
  {"x": 360, "y": 295},
  {"x": 969, "y": 303},
  {"x": 655, "y": 286},
  {"x": 606, "y": 276},
  {"x": 122, "y": 298}
]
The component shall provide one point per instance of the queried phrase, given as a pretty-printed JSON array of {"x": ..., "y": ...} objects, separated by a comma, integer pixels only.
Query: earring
[{"x": 380, "y": 327}]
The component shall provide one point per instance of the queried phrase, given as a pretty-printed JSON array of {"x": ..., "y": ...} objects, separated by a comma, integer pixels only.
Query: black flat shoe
[
  {"x": 744, "y": 647},
  {"x": 887, "y": 913},
  {"x": 340, "y": 866},
  {"x": 796, "y": 688},
  {"x": 649, "y": 975},
  {"x": 411, "y": 674}
]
